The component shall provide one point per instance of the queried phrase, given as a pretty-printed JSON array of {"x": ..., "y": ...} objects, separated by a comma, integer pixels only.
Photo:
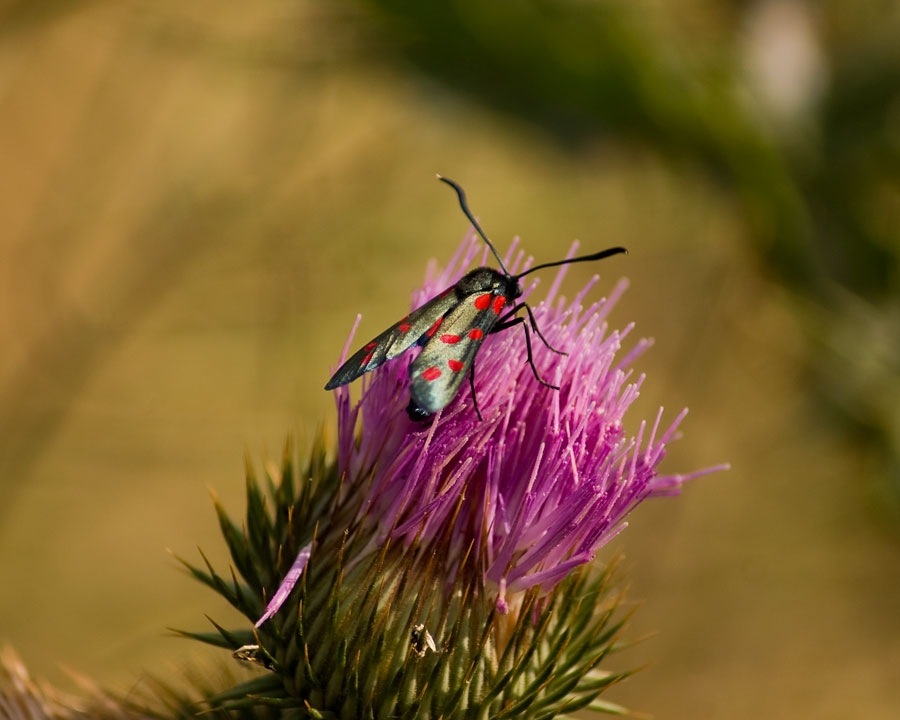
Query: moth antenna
[
  {"x": 465, "y": 208},
  {"x": 584, "y": 258}
]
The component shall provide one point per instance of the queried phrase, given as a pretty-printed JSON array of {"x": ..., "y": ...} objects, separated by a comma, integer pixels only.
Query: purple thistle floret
[{"x": 546, "y": 478}]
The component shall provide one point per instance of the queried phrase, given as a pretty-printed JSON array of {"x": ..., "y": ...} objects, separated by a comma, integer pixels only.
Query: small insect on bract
[
  {"x": 256, "y": 655},
  {"x": 451, "y": 327},
  {"x": 420, "y": 640}
]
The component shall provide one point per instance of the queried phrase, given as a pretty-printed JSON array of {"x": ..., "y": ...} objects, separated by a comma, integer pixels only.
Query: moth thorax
[{"x": 485, "y": 279}]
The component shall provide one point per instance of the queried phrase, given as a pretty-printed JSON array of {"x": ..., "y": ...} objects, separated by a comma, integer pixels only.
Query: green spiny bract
[{"x": 350, "y": 640}]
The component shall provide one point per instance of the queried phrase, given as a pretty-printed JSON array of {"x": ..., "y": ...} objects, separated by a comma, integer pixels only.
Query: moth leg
[
  {"x": 534, "y": 325},
  {"x": 472, "y": 387},
  {"x": 521, "y": 321}
]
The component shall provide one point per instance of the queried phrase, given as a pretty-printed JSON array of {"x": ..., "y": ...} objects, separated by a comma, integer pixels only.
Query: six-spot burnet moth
[{"x": 451, "y": 327}]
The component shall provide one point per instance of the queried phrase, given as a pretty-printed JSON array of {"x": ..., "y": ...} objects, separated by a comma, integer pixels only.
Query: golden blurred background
[{"x": 197, "y": 198}]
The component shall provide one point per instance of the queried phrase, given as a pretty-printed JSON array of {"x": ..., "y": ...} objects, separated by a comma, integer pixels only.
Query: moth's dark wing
[
  {"x": 436, "y": 375},
  {"x": 396, "y": 339}
]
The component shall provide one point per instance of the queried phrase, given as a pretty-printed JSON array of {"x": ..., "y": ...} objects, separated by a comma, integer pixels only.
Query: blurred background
[{"x": 197, "y": 198}]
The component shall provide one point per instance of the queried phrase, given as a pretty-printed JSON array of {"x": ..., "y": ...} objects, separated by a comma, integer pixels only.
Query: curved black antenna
[
  {"x": 465, "y": 208},
  {"x": 584, "y": 258}
]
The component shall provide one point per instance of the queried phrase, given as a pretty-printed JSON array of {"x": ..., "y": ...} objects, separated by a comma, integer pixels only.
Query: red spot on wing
[
  {"x": 476, "y": 334},
  {"x": 455, "y": 365},
  {"x": 450, "y": 339},
  {"x": 483, "y": 302},
  {"x": 370, "y": 354},
  {"x": 434, "y": 328},
  {"x": 499, "y": 302},
  {"x": 404, "y": 327},
  {"x": 431, "y": 373}
]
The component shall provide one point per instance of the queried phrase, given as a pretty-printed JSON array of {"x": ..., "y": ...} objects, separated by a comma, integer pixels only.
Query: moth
[{"x": 451, "y": 327}]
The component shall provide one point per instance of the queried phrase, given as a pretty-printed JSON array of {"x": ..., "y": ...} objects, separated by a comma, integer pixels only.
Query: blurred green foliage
[{"x": 588, "y": 72}]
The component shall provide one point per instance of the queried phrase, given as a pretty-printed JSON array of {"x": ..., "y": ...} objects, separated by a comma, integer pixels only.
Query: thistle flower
[{"x": 443, "y": 570}]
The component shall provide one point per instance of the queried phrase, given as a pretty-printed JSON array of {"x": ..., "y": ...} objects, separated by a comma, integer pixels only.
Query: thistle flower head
[
  {"x": 547, "y": 477},
  {"x": 443, "y": 570}
]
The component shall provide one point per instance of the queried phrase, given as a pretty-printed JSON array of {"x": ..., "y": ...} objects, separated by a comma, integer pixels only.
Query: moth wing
[
  {"x": 395, "y": 340},
  {"x": 436, "y": 375}
]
